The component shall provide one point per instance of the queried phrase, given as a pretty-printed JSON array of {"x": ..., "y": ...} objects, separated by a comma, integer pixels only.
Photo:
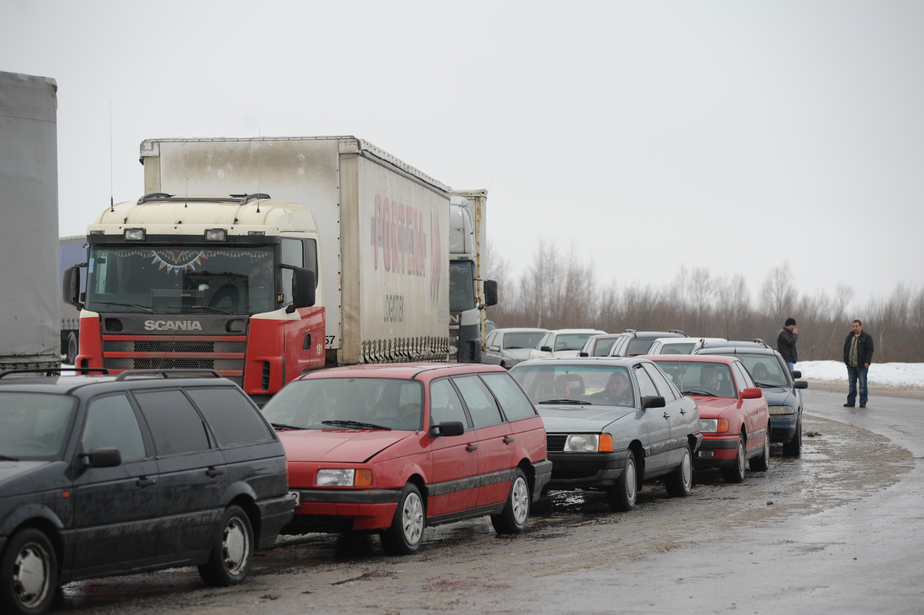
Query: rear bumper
[{"x": 274, "y": 514}]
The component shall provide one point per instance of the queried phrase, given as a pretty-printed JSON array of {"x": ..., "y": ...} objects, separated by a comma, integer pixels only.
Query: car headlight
[
  {"x": 713, "y": 425},
  {"x": 782, "y": 410},
  {"x": 330, "y": 477},
  {"x": 589, "y": 443}
]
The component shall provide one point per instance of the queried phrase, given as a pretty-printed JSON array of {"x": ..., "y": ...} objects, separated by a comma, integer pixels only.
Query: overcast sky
[{"x": 735, "y": 136}]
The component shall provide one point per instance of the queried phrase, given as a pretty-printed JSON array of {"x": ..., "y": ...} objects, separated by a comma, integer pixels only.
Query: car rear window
[
  {"x": 511, "y": 397},
  {"x": 174, "y": 423},
  {"x": 234, "y": 421}
]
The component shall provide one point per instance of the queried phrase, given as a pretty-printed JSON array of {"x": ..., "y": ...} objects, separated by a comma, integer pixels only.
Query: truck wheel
[
  {"x": 71, "y": 355},
  {"x": 28, "y": 573},
  {"x": 232, "y": 550},
  {"x": 622, "y": 496},
  {"x": 407, "y": 528},
  {"x": 679, "y": 482},
  {"x": 515, "y": 516}
]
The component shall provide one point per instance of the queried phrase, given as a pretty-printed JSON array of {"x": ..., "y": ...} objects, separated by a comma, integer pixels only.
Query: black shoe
[
  {"x": 862, "y": 405},
  {"x": 848, "y": 405}
]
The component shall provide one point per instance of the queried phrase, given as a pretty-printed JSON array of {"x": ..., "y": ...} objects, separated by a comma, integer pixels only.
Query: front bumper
[
  {"x": 580, "y": 470},
  {"x": 716, "y": 452},
  {"x": 783, "y": 427},
  {"x": 336, "y": 510}
]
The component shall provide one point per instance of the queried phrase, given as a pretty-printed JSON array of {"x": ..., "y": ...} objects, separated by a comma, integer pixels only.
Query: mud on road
[{"x": 573, "y": 540}]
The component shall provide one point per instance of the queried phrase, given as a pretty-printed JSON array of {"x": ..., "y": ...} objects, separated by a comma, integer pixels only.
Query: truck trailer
[
  {"x": 29, "y": 198},
  {"x": 209, "y": 269}
]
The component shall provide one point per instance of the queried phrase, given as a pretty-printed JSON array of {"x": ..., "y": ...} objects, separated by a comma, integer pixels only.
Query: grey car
[
  {"x": 507, "y": 347},
  {"x": 779, "y": 385},
  {"x": 611, "y": 424}
]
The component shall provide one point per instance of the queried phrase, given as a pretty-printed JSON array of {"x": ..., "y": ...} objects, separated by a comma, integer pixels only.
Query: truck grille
[{"x": 224, "y": 354}]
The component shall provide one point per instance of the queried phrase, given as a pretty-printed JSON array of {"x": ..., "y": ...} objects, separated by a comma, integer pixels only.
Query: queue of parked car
[{"x": 151, "y": 469}]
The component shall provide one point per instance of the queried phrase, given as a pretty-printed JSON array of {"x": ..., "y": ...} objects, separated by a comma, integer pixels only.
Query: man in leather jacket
[{"x": 858, "y": 354}]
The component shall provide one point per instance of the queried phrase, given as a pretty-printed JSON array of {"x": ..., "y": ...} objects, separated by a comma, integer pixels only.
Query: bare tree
[{"x": 777, "y": 295}]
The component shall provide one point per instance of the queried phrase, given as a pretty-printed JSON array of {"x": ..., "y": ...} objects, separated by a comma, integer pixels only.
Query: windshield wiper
[
  {"x": 356, "y": 424},
  {"x": 700, "y": 393},
  {"x": 5, "y": 458},
  {"x": 565, "y": 401},
  {"x": 134, "y": 305},
  {"x": 765, "y": 385},
  {"x": 199, "y": 307},
  {"x": 284, "y": 426}
]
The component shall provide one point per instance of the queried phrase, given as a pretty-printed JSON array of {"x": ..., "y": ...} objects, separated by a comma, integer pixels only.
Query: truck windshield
[
  {"x": 175, "y": 279},
  {"x": 461, "y": 286}
]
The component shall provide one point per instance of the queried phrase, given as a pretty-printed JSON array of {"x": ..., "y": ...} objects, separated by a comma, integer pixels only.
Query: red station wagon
[
  {"x": 395, "y": 448},
  {"x": 733, "y": 413}
]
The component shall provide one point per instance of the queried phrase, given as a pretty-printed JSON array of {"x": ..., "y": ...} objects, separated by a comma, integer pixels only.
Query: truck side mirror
[
  {"x": 490, "y": 293},
  {"x": 71, "y": 287},
  {"x": 304, "y": 284}
]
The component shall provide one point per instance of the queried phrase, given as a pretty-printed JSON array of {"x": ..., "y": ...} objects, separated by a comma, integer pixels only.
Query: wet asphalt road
[{"x": 839, "y": 530}]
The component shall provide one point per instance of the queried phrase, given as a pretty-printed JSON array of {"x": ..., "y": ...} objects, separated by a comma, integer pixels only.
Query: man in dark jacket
[
  {"x": 858, "y": 354},
  {"x": 786, "y": 342}
]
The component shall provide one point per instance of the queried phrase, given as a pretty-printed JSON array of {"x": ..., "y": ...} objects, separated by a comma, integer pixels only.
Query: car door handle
[
  {"x": 508, "y": 439},
  {"x": 471, "y": 447},
  {"x": 145, "y": 482},
  {"x": 666, "y": 415},
  {"x": 213, "y": 472},
  {"x": 683, "y": 412}
]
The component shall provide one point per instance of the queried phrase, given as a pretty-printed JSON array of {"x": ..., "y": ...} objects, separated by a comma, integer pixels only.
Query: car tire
[
  {"x": 793, "y": 448},
  {"x": 407, "y": 528},
  {"x": 679, "y": 482},
  {"x": 515, "y": 516},
  {"x": 232, "y": 550},
  {"x": 28, "y": 573},
  {"x": 735, "y": 473},
  {"x": 623, "y": 495},
  {"x": 762, "y": 463}
]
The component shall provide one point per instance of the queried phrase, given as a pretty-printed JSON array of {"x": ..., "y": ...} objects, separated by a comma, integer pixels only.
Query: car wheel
[
  {"x": 407, "y": 528},
  {"x": 28, "y": 573},
  {"x": 762, "y": 463},
  {"x": 232, "y": 550},
  {"x": 679, "y": 482},
  {"x": 793, "y": 448},
  {"x": 514, "y": 517},
  {"x": 622, "y": 496},
  {"x": 735, "y": 474}
]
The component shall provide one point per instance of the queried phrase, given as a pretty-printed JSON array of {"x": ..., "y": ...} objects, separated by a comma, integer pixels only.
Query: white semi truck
[
  {"x": 467, "y": 266},
  {"x": 29, "y": 233},
  {"x": 211, "y": 268}
]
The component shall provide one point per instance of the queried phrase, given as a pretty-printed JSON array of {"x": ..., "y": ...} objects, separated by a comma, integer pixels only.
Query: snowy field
[{"x": 893, "y": 374}]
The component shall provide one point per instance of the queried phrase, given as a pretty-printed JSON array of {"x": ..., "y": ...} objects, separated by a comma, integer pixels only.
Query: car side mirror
[
  {"x": 800, "y": 384},
  {"x": 104, "y": 458},
  {"x": 447, "y": 428},
  {"x": 546, "y": 349},
  {"x": 494, "y": 348},
  {"x": 796, "y": 374},
  {"x": 583, "y": 353},
  {"x": 652, "y": 401},
  {"x": 752, "y": 393}
]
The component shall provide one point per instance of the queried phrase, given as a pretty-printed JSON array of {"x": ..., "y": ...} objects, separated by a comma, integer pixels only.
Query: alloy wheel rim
[{"x": 520, "y": 501}]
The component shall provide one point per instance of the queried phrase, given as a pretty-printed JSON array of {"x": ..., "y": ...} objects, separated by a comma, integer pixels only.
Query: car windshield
[
  {"x": 765, "y": 369},
  {"x": 513, "y": 341},
  {"x": 559, "y": 383},
  {"x": 171, "y": 279},
  {"x": 700, "y": 378},
  {"x": 34, "y": 426},
  {"x": 571, "y": 341},
  {"x": 347, "y": 403}
]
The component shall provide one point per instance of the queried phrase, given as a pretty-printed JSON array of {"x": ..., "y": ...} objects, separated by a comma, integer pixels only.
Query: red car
[
  {"x": 734, "y": 416},
  {"x": 395, "y": 448}
]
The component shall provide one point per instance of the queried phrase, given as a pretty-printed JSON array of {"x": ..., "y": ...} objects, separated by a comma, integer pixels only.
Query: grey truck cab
[{"x": 103, "y": 475}]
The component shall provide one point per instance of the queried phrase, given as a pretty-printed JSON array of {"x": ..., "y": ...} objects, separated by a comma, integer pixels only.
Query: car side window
[
  {"x": 445, "y": 404},
  {"x": 645, "y": 385},
  {"x": 234, "y": 421},
  {"x": 512, "y": 399},
  {"x": 111, "y": 423},
  {"x": 743, "y": 377},
  {"x": 544, "y": 341},
  {"x": 661, "y": 383},
  {"x": 490, "y": 339},
  {"x": 174, "y": 423},
  {"x": 479, "y": 401}
]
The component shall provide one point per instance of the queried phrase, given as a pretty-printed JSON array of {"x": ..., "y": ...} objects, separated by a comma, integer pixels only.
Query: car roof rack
[
  {"x": 133, "y": 374},
  {"x": 677, "y": 331},
  {"x": 49, "y": 371}
]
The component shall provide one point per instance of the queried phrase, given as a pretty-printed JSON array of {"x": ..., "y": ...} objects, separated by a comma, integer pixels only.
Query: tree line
[{"x": 560, "y": 290}]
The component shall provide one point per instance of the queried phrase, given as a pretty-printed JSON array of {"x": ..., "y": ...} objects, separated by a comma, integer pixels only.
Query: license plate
[{"x": 297, "y": 497}]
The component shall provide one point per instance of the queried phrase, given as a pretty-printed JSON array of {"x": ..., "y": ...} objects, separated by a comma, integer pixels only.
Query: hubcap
[
  {"x": 412, "y": 519},
  {"x": 234, "y": 546},
  {"x": 30, "y": 575},
  {"x": 740, "y": 457},
  {"x": 687, "y": 470},
  {"x": 520, "y": 500}
]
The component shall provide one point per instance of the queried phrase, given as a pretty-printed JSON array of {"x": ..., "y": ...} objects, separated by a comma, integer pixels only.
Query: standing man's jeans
[
  {"x": 853, "y": 375},
  {"x": 791, "y": 366}
]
